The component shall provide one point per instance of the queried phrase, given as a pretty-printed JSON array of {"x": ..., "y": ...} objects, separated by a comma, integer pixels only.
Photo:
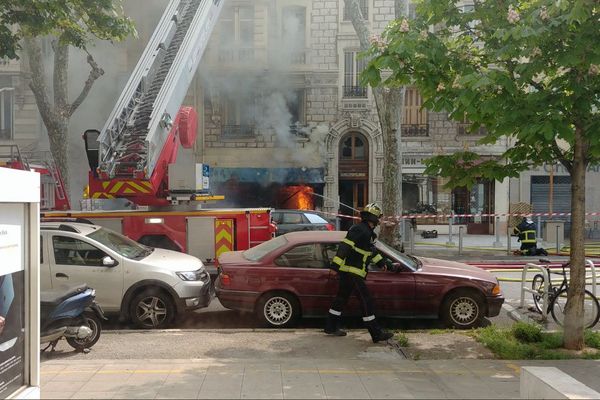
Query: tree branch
[
  {"x": 95, "y": 73},
  {"x": 38, "y": 83}
]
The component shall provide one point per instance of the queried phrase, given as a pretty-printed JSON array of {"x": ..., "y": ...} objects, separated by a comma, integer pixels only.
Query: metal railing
[
  {"x": 238, "y": 131},
  {"x": 415, "y": 130},
  {"x": 355, "y": 91}
]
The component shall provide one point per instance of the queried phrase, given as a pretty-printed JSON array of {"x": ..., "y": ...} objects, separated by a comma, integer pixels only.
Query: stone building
[{"x": 284, "y": 120}]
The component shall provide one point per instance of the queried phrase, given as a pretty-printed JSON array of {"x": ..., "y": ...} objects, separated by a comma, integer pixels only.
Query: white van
[{"x": 148, "y": 285}]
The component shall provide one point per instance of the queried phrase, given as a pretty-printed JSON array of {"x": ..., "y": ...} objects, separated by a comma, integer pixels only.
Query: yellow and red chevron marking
[
  {"x": 124, "y": 188},
  {"x": 223, "y": 236}
]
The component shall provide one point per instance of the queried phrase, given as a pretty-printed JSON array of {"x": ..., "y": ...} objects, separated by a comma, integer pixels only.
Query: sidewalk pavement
[{"x": 300, "y": 378}]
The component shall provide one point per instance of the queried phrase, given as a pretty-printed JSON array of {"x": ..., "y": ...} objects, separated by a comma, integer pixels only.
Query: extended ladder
[{"x": 138, "y": 127}]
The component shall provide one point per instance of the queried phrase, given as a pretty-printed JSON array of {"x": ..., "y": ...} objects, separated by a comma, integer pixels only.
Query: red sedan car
[{"x": 288, "y": 277}]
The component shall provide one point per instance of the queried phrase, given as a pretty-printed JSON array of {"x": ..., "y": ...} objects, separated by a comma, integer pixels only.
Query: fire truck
[
  {"x": 145, "y": 151},
  {"x": 53, "y": 195}
]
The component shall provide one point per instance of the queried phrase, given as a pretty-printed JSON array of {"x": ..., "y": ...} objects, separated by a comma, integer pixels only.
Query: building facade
[{"x": 284, "y": 119}]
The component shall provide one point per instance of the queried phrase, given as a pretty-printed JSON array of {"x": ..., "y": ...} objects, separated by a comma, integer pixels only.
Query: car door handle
[{"x": 61, "y": 275}]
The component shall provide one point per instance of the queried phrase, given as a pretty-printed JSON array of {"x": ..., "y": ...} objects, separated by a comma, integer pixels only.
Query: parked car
[
  {"x": 148, "y": 285},
  {"x": 288, "y": 277},
  {"x": 299, "y": 220}
]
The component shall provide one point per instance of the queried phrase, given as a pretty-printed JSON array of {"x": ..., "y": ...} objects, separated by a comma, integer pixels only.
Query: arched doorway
[{"x": 353, "y": 175}]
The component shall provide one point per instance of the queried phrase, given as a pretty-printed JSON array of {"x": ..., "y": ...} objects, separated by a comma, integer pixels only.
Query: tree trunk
[
  {"x": 389, "y": 103},
  {"x": 573, "y": 338}
]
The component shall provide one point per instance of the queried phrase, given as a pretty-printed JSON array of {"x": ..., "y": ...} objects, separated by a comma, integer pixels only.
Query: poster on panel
[{"x": 12, "y": 296}]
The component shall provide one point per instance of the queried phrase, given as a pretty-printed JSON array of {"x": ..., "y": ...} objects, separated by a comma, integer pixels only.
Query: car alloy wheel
[
  {"x": 278, "y": 311},
  {"x": 464, "y": 310},
  {"x": 152, "y": 308},
  {"x": 151, "y": 311}
]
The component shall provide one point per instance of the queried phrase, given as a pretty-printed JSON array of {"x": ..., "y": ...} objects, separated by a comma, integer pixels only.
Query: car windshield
[
  {"x": 315, "y": 219},
  {"x": 257, "y": 252},
  {"x": 412, "y": 262},
  {"x": 120, "y": 244}
]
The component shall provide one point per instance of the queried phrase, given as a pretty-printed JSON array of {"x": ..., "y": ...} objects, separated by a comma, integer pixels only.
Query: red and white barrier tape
[{"x": 422, "y": 216}]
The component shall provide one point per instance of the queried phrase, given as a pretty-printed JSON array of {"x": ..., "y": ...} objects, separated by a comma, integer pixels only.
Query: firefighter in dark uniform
[
  {"x": 353, "y": 256},
  {"x": 526, "y": 232}
]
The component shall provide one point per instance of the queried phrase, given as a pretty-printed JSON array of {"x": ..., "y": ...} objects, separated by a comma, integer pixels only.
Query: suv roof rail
[{"x": 67, "y": 228}]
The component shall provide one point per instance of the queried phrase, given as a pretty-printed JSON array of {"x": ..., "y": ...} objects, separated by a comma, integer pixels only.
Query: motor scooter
[{"x": 72, "y": 313}]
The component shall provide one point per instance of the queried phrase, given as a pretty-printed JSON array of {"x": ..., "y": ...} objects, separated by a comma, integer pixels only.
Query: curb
[{"x": 517, "y": 316}]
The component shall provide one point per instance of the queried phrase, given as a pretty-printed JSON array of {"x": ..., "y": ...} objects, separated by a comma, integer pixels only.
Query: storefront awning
[{"x": 265, "y": 176}]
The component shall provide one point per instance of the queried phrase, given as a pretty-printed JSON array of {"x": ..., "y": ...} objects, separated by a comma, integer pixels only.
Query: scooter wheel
[{"x": 95, "y": 324}]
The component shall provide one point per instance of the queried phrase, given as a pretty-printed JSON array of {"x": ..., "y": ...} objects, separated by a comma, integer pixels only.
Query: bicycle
[{"x": 557, "y": 297}]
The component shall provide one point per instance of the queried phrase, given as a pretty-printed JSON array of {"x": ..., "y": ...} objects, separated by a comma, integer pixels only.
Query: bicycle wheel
[
  {"x": 591, "y": 308},
  {"x": 537, "y": 285}
]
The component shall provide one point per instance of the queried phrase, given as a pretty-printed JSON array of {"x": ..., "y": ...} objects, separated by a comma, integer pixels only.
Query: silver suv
[{"x": 148, "y": 285}]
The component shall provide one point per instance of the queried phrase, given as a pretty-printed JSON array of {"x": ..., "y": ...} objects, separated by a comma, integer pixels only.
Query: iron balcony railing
[
  {"x": 415, "y": 130},
  {"x": 238, "y": 131},
  {"x": 355, "y": 91}
]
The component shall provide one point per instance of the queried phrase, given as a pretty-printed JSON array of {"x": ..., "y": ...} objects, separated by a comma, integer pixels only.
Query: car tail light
[
  {"x": 330, "y": 227},
  {"x": 225, "y": 279}
]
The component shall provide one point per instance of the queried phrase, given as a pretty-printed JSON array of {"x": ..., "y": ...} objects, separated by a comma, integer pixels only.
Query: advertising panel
[{"x": 12, "y": 293}]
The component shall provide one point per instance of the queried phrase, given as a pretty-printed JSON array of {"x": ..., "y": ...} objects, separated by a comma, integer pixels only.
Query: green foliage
[
  {"x": 592, "y": 339},
  {"x": 528, "y": 342},
  {"x": 527, "y": 333},
  {"x": 528, "y": 71},
  {"x": 75, "y": 22},
  {"x": 402, "y": 339}
]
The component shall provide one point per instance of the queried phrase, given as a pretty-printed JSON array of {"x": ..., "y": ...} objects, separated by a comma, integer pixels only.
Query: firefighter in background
[
  {"x": 353, "y": 256},
  {"x": 527, "y": 237}
]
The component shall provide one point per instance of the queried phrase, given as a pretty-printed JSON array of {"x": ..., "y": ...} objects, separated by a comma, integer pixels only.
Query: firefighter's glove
[{"x": 388, "y": 265}]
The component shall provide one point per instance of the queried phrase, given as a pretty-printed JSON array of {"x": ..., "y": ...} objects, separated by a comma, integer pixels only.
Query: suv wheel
[{"x": 152, "y": 309}]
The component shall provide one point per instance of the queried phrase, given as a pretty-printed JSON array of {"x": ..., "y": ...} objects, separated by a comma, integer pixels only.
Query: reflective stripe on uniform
[
  {"x": 527, "y": 238},
  {"x": 337, "y": 260},
  {"x": 334, "y": 312},
  {"x": 360, "y": 272},
  {"x": 376, "y": 259},
  {"x": 348, "y": 242},
  {"x": 369, "y": 318}
]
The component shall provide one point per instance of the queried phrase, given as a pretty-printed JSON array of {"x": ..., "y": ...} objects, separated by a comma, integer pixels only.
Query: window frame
[
  {"x": 75, "y": 240},
  {"x": 7, "y": 112},
  {"x": 282, "y": 261},
  {"x": 364, "y": 8}
]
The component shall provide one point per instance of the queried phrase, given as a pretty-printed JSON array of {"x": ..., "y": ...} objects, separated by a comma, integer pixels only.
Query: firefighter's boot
[
  {"x": 378, "y": 334},
  {"x": 333, "y": 324}
]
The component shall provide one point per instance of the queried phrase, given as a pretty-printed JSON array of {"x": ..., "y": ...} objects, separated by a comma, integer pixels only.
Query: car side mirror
[{"x": 108, "y": 262}]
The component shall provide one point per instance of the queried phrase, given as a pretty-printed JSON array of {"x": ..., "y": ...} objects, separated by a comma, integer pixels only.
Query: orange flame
[{"x": 297, "y": 197}]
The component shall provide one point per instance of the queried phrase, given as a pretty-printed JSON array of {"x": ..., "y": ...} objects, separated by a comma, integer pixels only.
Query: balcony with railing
[
  {"x": 238, "y": 54},
  {"x": 464, "y": 129},
  {"x": 415, "y": 130},
  {"x": 355, "y": 92},
  {"x": 245, "y": 131}
]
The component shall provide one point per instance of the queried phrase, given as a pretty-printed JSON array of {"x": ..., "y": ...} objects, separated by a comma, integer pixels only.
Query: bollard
[
  {"x": 539, "y": 226},
  {"x": 508, "y": 240},
  {"x": 460, "y": 239},
  {"x": 450, "y": 221},
  {"x": 557, "y": 244},
  {"x": 403, "y": 230},
  {"x": 412, "y": 239},
  {"x": 497, "y": 243}
]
